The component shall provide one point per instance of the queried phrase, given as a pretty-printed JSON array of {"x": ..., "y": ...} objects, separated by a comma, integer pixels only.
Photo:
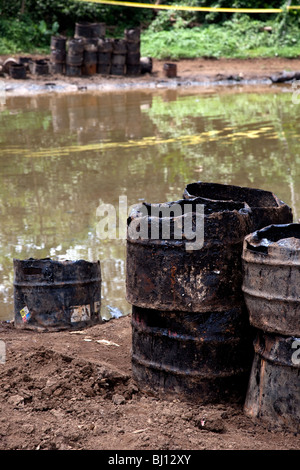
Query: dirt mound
[{"x": 74, "y": 390}]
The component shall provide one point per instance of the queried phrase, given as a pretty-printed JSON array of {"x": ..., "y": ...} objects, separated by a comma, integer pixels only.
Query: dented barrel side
[{"x": 53, "y": 295}]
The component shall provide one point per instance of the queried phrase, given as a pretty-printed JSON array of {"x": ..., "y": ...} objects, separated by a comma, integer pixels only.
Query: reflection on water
[{"x": 62, "y": 156}]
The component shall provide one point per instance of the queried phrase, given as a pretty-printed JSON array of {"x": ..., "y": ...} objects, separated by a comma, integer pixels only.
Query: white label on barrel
[
  {"x": 81, "y": 313},
  {"x": 25, "y": 314}
]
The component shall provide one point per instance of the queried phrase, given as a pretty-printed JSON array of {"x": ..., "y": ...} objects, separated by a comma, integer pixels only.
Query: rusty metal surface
[
  {"x": 56, "y": 295},
  {"x": 266, "y": 207},
  {"x": 271, "y": 281},
  {"x": 188, "y": 354},
  {"x": 163, "y": 274},
  {"x": 273, "y": 393},
  {"x": 183, "y": 301}
]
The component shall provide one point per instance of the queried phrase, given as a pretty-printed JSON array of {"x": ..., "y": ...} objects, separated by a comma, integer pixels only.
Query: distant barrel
[
  {"x": 85, "y": 29},
  {"x": 118, "y": 58},
  {"x": 17, "y": 71},
  {"x": 53, "y": 295},
  {"x": 58, "y": 43},
  {"x": 170, "y": 70}
]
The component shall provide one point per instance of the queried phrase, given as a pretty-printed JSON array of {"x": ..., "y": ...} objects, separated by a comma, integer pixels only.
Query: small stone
[
  {"x": 118, "y": 399},
  {"x": 16, "y": 400}
]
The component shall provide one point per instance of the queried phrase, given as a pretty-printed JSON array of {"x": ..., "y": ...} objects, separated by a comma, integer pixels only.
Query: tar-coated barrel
[
  {"x": 198, "y": 272},
  {"x": 170, "y": 70},
  {"x": 265, "y": 206},
  {"x": 188, "y": 318},
  {"x": 17, "y": 71},
  {"x": 58, "y": 43},
  {"x": 40, "y": 67},
  {"x": 271, "y": 281},
  {"x": 201, "y": 357},
  {"x": 86, "y": 29},
  {"x": 273, "y": 396},
  {"x": 54, "y": 295},
  {"x": 271, "y": 286}
]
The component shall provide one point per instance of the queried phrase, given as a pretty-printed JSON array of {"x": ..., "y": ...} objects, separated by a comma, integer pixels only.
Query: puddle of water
[{"x": 62, "y": 156}]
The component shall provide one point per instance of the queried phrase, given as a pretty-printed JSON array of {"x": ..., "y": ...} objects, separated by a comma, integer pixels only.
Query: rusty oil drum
[
  {"x": 271, "y": 286},
  {"x": 190, "y": 331},
  {"x": 273, "y": 396},
  {"x": 54, "y": 295},
  {"x": 266, "y": 207},
  {"x": 271, "y": 282},
  {"x": 163, "y": 274}
]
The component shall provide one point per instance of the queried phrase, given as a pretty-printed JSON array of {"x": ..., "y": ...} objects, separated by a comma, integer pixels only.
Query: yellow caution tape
[{"x": 189, "y": 8}]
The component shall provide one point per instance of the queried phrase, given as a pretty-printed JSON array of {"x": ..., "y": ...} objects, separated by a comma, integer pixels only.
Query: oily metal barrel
[
  {"x": 273, "y": 396},
  {"x": 74, "y": 58},
  {"x": 40, "y": 67},
  {"x": 271, "y": 282},
  {"x": 271, "y": 286},
  {"x": 163, "y": 274},
  {"x": 170, "y": 70},
  {"x": 58, "y": 54},
  {"x": 87, "y": 29},
  {"x": 89, "y": 66},
  {"x": 265, "y": 206},
  {"x": 105, "y": 48},
  {"x": 118, "y": 58},
  {"x": 133, "y": 40},
  {"x": 58, "y": 43},
  {"x": 191, "y": 335},
  {"x": 17, "y": 71},
  {"x": 54, "y": 295},
  {"x": 202, "y": 357}
]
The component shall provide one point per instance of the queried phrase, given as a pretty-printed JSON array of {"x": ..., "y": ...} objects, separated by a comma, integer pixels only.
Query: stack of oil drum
[
  {"x": 105, "y": 48},
  {"x": 90, "y": 52},
  {"x": 118, "y": 58},
  {"x": 58, "y": 54},
  {"x": 191, "y": 335},
  {"x": 74, "y": 59},
  {"x": 133, "y": 60}
]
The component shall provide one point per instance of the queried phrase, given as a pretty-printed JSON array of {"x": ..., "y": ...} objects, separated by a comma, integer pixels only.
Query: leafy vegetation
[
  {"x": 240, "y": 37},
  {"x": 27, "y": 25}
]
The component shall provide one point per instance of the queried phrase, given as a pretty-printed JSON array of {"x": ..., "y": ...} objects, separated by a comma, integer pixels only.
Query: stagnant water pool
[{"x": 64, "y": 156}]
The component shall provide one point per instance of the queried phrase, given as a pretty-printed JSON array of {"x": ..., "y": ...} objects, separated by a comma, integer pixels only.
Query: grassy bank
[{"x": 238, "y": 38}]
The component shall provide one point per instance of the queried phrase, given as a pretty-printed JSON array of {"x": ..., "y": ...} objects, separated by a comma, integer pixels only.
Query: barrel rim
[
  {"x": 258, "y": 248},
  {"x": 278, "y": 202}
]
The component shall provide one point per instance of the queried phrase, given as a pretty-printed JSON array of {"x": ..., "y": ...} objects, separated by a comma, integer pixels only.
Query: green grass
[
  {"x": 242, "y": 37},
  {"x": 234, "y": 39}
]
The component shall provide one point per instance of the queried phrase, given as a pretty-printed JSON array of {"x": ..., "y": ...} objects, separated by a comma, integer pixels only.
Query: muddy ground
[
  {"x": 199, "y": 72},
  {"x": 68, "y": 391}
]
